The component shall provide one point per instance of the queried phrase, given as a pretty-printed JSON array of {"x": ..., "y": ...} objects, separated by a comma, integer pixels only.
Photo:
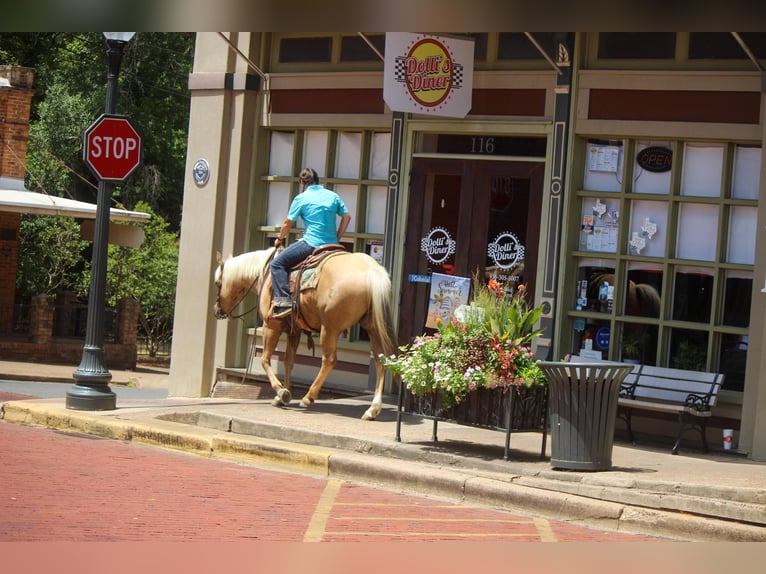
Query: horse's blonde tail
[{"x": 381, "y": 308}]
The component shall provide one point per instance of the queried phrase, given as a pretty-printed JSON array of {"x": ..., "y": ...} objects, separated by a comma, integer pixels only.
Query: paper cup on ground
[{"x": 728, "y": 437}]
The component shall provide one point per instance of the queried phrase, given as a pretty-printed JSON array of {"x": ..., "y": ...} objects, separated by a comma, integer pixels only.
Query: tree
[
  {"x": 50, "y": 255},
  {"x": 147, "y": 274}
]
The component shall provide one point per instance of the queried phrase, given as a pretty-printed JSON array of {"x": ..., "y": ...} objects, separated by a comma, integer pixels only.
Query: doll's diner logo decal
[
  {"x": 506, "y": 250},
  {"x": 428, "y": 72},
  {"x": 438, "y": 245}
]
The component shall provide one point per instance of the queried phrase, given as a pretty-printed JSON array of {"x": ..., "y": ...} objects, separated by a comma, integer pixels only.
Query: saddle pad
[{"x": 310, "y": 275}]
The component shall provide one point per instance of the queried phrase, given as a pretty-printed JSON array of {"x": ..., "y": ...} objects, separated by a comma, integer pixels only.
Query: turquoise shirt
[{"x": 319, "y": 209}]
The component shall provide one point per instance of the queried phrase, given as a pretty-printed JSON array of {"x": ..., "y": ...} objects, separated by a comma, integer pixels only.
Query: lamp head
[{"x": 119, "y": 36}]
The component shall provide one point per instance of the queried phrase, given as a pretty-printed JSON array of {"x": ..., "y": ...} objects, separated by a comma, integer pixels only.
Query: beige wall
[{"x": 221, "y": 130}]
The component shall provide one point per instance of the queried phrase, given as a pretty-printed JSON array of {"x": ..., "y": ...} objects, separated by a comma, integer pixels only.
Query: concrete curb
[{"x": 574, "y": 502}]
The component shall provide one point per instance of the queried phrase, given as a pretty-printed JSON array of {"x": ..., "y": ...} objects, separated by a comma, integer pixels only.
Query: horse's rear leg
[
  {"x": 377, "y": 400},
  {"x": 329, "y": 346},
  {"x": 270, "y": 340}
]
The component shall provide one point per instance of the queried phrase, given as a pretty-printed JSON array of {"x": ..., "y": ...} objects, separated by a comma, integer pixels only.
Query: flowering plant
[{"x": 488, "y": 345}]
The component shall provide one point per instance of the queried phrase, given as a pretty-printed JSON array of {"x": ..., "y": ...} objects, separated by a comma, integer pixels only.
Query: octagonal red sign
[{"x": 112, "y": 148}]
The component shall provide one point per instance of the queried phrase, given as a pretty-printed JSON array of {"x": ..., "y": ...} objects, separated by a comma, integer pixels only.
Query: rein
[{"x": 258, "y": 295}]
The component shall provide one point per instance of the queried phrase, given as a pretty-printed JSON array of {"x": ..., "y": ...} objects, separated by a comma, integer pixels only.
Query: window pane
[
  {"x": 281, "y": 153},
  {"x": 355, "y": 49},
  {"x": 639, "y": 344},
  {"x": 688, "y": 350},
  {"x": 376, "y": 209},
  {"x": 603, "y": 168},
  {"x": 697, "y": 232},
  {"x": 702, "y": 171},
  {"x": 742, "y": 228},
  {"x": 594, "y": 337},
  {"x": 643, "y": 290},
  {"x": 637, "y": 45},
  {"x": 315, "y": 151},
  {"x": 648, "y": 228},
  {"x": 349, "y": 194},
  {"x": 737, "y": 298},
  {"x": 516, "y": 46},
  {"x": 379, "y": 156},
  {"x": 348, "y": 154},
  {"x": 599, "y": 223},
  {"x": 591, "y": 276},
  {"x": 715, "y": 45},
  {"x": 305, "y": 50},
  {"x": 692, "y": 294},
  {"x": 732, "y": 361},
  {"x": 645, "y": 181},
  {"x": 278, "y": 203},
  {"x": 747, "y": 172}
]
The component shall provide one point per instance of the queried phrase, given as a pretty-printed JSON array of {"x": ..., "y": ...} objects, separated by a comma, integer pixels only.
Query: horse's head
[
  {"x": 244, "y": 273},
  {"x": 218, "y": 280}
]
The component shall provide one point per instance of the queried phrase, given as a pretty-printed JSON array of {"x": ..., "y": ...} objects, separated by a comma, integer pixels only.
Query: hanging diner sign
[{"x": 428, "y": 74}]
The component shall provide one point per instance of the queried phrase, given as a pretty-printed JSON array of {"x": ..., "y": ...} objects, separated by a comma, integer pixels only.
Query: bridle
[{"x": 224, "y": 314}]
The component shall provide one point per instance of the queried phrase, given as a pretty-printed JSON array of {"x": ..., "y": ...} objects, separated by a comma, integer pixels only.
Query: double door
[{"x": 468, "y": 218}]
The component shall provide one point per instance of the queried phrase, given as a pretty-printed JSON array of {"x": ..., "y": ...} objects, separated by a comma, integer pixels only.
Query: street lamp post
[{"x": 91, "y": 391}]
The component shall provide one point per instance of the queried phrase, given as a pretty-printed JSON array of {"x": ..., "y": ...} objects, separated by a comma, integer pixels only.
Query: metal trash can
[{"x": 583, "y": 408}]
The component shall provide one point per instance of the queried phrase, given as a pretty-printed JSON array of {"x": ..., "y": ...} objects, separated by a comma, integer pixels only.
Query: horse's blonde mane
[{"x": 248, "y": 266}]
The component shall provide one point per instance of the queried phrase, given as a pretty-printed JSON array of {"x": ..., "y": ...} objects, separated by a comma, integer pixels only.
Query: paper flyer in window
[{"x": 448, "y": 292}]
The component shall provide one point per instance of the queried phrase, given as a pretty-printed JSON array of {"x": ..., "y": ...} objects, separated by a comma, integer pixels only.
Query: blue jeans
[{"x": 281, "y": 266}]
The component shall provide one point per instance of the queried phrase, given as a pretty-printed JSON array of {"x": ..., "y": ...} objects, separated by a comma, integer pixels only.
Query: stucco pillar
[
  {"x": 752, "y": 439},
  {"x": 222, "y": 123}
]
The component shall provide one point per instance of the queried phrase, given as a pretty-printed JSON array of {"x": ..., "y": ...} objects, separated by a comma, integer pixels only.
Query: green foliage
[
  {"x": 147, "y": 274},
  {"x": 50, "y": 255}
]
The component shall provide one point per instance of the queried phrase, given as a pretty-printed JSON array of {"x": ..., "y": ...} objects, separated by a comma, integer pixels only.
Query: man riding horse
[{"x": 319, "y": 208}]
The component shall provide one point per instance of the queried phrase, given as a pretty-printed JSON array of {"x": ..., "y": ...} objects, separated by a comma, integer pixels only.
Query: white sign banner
[{"x": 428, "y": 74}]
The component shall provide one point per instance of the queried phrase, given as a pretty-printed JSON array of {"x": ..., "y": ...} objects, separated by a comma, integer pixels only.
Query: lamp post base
[
  {"x": 83, "y": 398},
  {"x": 91, "y": 390}
]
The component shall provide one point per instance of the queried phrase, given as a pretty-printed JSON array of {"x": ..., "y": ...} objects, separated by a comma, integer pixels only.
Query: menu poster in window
[
  {"x": 603, "y": 158},
  {"x": 448, "y": 292}
]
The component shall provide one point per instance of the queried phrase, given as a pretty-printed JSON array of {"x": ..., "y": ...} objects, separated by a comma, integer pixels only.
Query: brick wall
[{"x": 15, "y": 105}]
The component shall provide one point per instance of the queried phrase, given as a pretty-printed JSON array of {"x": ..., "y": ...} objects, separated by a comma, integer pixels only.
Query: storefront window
[
  {"x": 348, "y": 154},
  {"x": 737, "y": 297},
  {"x": 652, "y": 175},
  {"x": 603, "y": 168},
  {"x": 637, "y": 45},
  {"x": 648, "y": 228},
  {"x": 677, "y": 289},
  {"x": 692, "y": 294},
  {"x": 599, "y": 224},
  {"x": 691, "y": 242},
  {"x": 688, "y": 349},
  {"x": 315, "y": 151},
  {"x": 702, "y": 170}
]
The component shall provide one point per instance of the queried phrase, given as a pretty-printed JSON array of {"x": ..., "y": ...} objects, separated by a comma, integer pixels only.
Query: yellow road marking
[
  {"x": 316, "y": 527},
  {"x": 545, "y": 530}
]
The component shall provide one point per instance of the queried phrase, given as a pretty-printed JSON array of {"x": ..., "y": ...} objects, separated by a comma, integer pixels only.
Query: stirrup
[{"x": 282, "y": 312}]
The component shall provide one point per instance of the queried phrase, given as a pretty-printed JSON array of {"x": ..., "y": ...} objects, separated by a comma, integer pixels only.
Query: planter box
[{"x": 516, "y": 409}]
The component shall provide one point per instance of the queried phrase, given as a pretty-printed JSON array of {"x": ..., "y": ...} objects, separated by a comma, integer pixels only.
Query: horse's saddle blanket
[{"x": 306, "y": 274}]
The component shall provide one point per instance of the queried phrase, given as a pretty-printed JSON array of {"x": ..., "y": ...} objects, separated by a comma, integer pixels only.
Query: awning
[{"x": 24, "y": 201}]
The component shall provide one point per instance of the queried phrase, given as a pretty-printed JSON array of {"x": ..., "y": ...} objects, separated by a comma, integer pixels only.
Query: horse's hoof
[
  {"x": 306, "y": 403},
  {"x": 285, "y": 396},
  {"x": 369, "y": 415},
  {"x": 277, "y": 402}
]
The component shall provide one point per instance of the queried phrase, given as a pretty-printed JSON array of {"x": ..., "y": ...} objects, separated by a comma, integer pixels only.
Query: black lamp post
[{"x": 91, "y": 390}]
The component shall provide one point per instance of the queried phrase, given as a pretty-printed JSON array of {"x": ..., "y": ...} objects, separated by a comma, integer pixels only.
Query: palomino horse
[{"x": 352, "y": 288}]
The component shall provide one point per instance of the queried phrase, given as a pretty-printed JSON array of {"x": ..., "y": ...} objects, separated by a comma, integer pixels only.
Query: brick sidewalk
[{"x": 71, "y": 488}]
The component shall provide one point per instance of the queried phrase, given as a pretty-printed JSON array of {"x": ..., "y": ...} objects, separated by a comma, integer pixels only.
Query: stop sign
[{"x": 112, "y": 148}]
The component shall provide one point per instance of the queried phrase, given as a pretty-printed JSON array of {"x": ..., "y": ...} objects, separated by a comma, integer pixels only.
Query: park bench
[{"x": 689, "y": 394}]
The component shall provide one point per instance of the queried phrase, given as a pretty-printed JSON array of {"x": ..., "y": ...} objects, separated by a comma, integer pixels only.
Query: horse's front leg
[{"x": 270, "y": 340}]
